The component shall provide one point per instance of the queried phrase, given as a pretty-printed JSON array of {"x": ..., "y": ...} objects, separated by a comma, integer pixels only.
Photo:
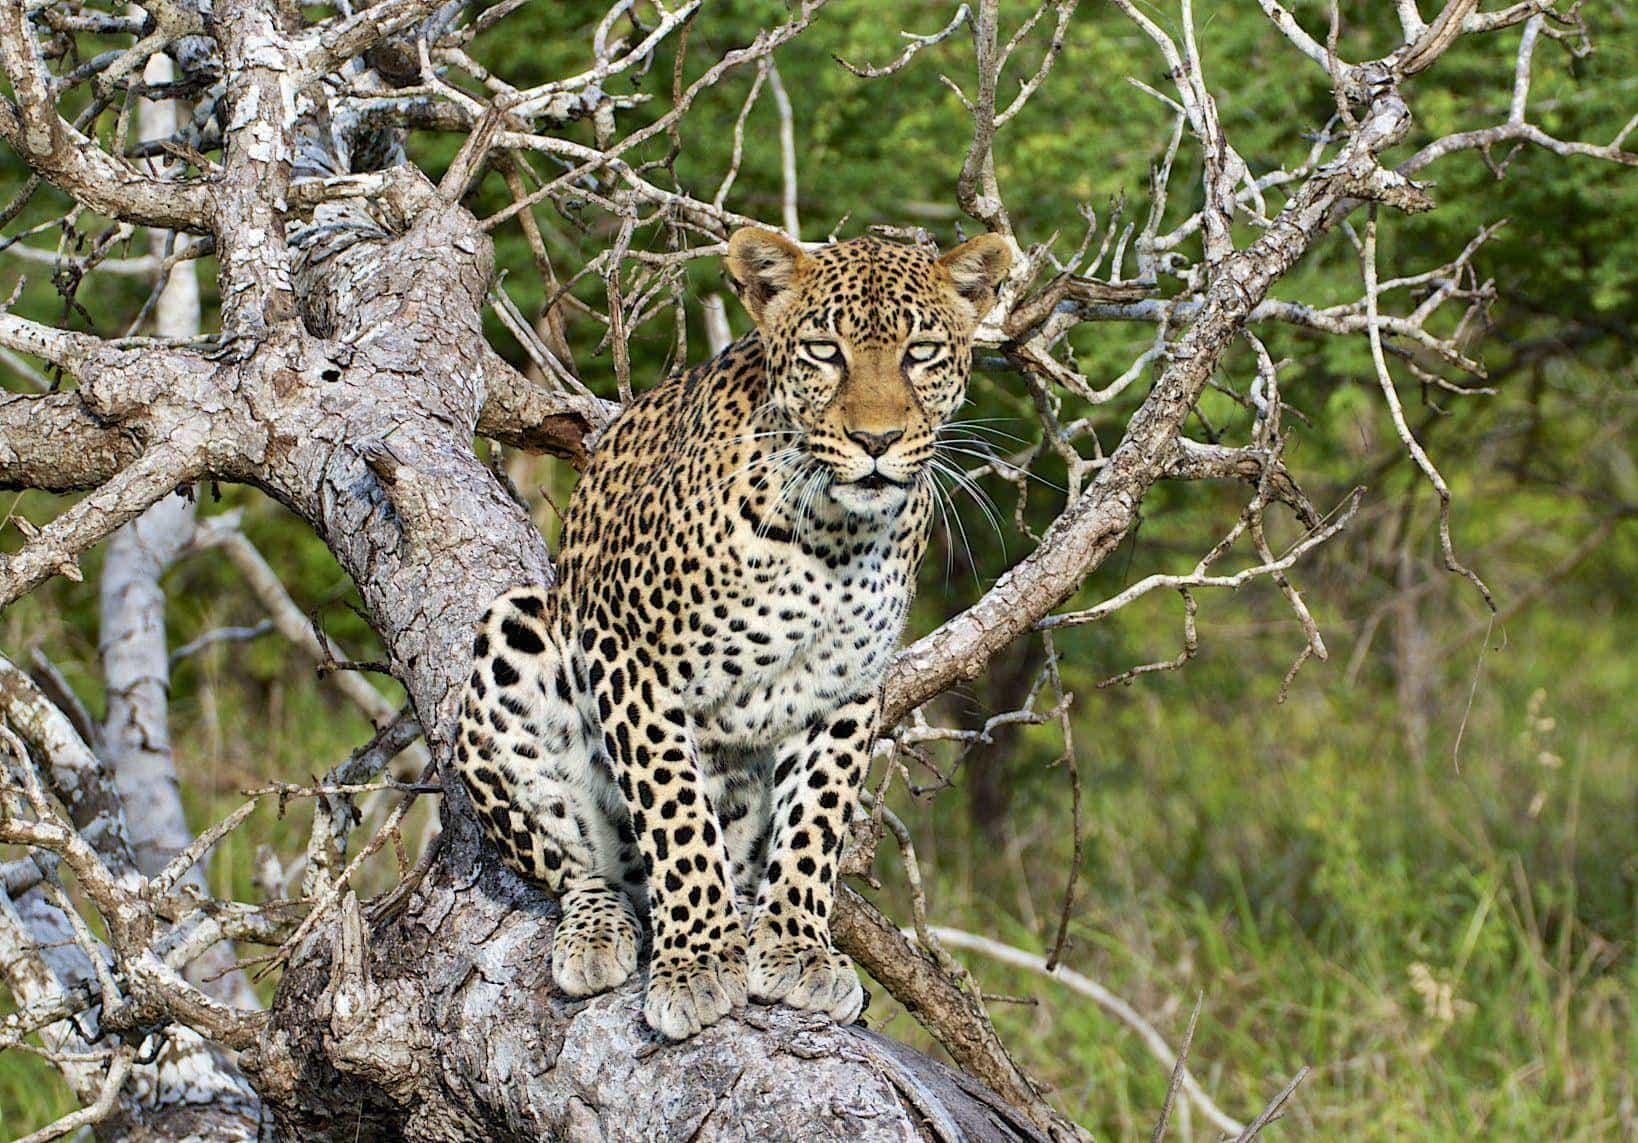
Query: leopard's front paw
[
  {"x": 686, "y": 994},
  {"x": 804, "y": 973},
  {"x": 595, "y": 946}
]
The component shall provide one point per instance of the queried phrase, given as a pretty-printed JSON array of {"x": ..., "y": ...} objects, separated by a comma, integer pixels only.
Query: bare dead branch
[
  {"x": 1200, "y": 579},
  {"x": 51, "y": 441},
  {"x": 1103, "y": 998},
  {"x": 1255, "y": 1128},
  {"x": 59, "y": 544},
  {"x": 954, "y": 1015},
  {"x": 119, "y": 1070},
  {"x": 319, "y": 51},
  {"x": 963, "y": 15},
  {"x": 522, "y": 414},
  {"x": 1391, "y": 395},
  {"x": 1178, "y": 1071}
]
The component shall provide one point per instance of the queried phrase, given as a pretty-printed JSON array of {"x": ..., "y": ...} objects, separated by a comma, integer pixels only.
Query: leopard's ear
[
  {"x": 975, "y": 269},
  {"x": 762, "y": 265}
]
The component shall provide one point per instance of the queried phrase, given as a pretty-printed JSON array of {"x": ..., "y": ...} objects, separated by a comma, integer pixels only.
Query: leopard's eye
[
  {"x": 822, "y": 350},
  {"x": 922, "y": 351}
]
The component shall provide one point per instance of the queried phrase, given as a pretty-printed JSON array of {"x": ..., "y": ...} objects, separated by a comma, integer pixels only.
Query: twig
[
  {"x": 1108, "y": 1001},
  {"x": 218, "y": 635},
  {"x": 1067, "y": 760},
  {"x": 1397, "y": 412},
  {"x": 1266, "y": 1116},
  {"x": 119, "y": 1070},
  {"x": 1176, "y": 1081}
]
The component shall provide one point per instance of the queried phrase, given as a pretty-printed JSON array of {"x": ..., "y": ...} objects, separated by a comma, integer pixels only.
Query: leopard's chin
[{"x": 874, "y": 495}]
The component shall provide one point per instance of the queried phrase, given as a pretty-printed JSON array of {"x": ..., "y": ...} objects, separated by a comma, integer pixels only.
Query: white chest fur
[{"x": 810, "y": 627}]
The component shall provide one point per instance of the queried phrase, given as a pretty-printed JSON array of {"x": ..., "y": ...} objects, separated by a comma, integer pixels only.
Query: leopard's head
[{"x": 868, "y": 346}]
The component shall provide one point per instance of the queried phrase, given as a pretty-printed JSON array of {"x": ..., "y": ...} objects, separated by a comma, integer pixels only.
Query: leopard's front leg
[
  {"x": 697, "y": 972},
  {"x": 816, "y": 786}
]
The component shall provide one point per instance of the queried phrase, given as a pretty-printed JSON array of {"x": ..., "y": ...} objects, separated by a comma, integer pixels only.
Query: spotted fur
[{"x": 690, "y": 711}]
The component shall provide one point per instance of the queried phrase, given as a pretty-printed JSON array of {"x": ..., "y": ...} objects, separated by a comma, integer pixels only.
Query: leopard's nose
[{"x": 874, "y": 444}]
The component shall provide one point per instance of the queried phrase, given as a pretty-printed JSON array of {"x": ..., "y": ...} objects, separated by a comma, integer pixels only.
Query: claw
[
  {"x": 806, "y": 975},
  {"x": 595, "y": 948},
  {"x": 685, "y": 996}
]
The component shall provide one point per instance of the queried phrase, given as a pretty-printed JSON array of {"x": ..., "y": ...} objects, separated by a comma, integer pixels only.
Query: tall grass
[{"x": 1447, "y": 945}]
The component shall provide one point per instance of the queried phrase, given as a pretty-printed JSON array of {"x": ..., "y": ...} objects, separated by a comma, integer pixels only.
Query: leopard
[{"x": 678, "y": 728}]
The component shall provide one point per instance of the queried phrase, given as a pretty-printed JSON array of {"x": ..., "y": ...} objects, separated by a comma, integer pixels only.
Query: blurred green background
[{"x": 1418, "y": 874}]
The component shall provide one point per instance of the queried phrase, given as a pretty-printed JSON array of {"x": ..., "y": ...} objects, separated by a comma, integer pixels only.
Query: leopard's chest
[{"x": 803, "y": 635}]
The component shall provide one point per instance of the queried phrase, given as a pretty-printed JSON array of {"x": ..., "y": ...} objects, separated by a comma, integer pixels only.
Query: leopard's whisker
[
  {"x": 800, "y": 505},
  {"x": 979, "y": 496},
  {"x": 979, "y": 427},
  {"x": 1004, "y": 467},
  {"x": 944, "y": 518},
  {"x": 795, "y": 477},
  {"x": 790, "y": 483},
  {"x": 803, "y": 517},
  {"x": 961, "y": 528},
  {"x": 976, "y": 493},
  {"x": 775, "y": 459}
]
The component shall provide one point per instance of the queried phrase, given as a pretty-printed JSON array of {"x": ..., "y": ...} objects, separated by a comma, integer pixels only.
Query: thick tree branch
[
  {"x": 54, "y": 443},
  {"x": 522, "y": 414},
  {"x": 956, "y": 1017},
  {"x": 57, "y": 547},
  {"x": 321, "y": 50}
]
